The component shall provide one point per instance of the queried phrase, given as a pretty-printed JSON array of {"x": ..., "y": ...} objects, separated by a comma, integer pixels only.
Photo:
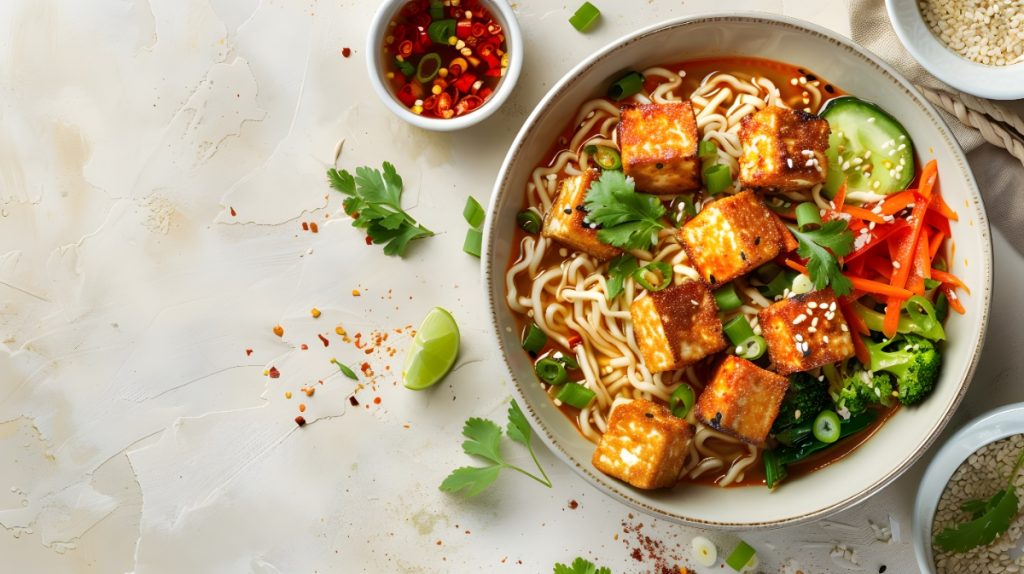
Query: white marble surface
[{"x": 136, "y": 433}]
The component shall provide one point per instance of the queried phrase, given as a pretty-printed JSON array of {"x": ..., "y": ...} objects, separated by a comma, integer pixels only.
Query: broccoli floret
[
  {"x": 861, "y": 388},
  {"x": 805, "y": 398},
  {"x": 913, "y": 360}
]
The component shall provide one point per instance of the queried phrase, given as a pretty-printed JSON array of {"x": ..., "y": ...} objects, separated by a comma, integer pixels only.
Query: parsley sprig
[
  {"x": 627, "y": 219},
  {"x": 581, "y": 566},
  {"x": 821, "y": 247},
  {"x": 484, "y": 441},
  {"x": 990, "y": 518},
  {"x": 374, "y": 201}
]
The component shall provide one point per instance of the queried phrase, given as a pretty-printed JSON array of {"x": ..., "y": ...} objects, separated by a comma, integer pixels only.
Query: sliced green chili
[
  {"x": 440, "y": 30},
  {"x": 807, "y": 216},
  {"x": 405, "y": 67},
  {"x": 551, "y": 371},
  {"x": 473, "y": 242},
  {"x": 473, "y": 213},
  {"x": 727, "y": 298},
  {"x": 529, "y": 221},
  {"x": 606, "y": 157},
  {"x": 753, "y": 348},
  {"x": 664, "y": 270},
  {"x": 682, "y": 400},
  {"x": 534, "y": 339},
  {"x": 717, "y": 178},
  {"x": 738, "y": 330},
  {"x": 575, "y": 395},
  {"x": 626, "y": 86},
  {"x": 428, "y": 67},
  {"x": 826, "y": 427},
  {"x": 585, "y": 17}
]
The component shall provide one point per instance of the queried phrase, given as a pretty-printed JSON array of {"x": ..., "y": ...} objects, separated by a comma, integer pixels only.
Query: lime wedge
[{"x": 433, "y": 350}]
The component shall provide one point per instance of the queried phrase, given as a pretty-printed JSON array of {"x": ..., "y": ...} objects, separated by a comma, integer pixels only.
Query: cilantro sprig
[
  {"x": 374, "y": 201},
  {"x": 581, "y": 566},
  {"x": 618, "y": 270},
  {"x": 990, "y": 518},
  {"x": 821, "y": 247},
  {"x": 484, "y": 441},
  {"x": 627, "y": 219}
]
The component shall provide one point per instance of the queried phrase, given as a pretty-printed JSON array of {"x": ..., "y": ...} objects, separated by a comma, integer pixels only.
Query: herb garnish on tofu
[
  {"x": 626, "y": 218},
  {"x": 821, "y": 247}
]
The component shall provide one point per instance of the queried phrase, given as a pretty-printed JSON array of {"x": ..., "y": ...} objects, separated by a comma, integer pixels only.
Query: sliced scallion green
[
  {"x": 440, "y": 30},
  {"x": 428, "y": 67},
  {"x": 473, "y": 213},
  {"x": 738, "y": 330},
  {"x": 753, "y": 348},
  {"x": 707, "y": 149},
  {"x": 551, "y": 371},
  {"x": 474, "y": 241},
  {"x": 626, "y": 86},
  {"x": 534, "y": 339},
  {"x": 664, "y": 271},
  {"x": 740, "y": 556},
  {"x": 607, "y": 157},
  {"x": 717, "y": 178},
  {"x": 569, "y": 361},
  {"x": 681, "y": 400},
  {"x": 807, "y": 216},
  {"x": 575, "y": 395},
  {"x": 405, "y": 67},
  {"x": 826, "y": 427},
  {"x": 529, "y": 221},
  {"x": 727, "y": 298},
  {"x": 585, "y": 17}
]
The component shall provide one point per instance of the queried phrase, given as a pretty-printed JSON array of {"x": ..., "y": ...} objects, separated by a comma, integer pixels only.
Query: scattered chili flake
[
  {"x": 304, "y": 347},
  {"x": 305, "y": 226},
  {"x": 353, "y": 401},
  {"x": 376, "y": 400},
  {"x": 369, "y": 240},
  {"x": 323, "y": 339},
  {"x": 302, "y": 407},
  {"x": 573, "y": 505},
  {"x": 313, "y": 227},
  {"x": 248, "y": 352},
  {"x": 356, "y": 293},
  {"x": 279, "y": 330},
  {"x": 366, "y": 369},
  {"x": 300, "y": 420},
  {"x": 308, "y": 390},
  {"x": 346, "y": 52},
  {"x": 315, "y": 313},
  {"x": 287, "y": 394},
  {"x": 274, "y": 373},
  {"x": 233, "y": 212}
]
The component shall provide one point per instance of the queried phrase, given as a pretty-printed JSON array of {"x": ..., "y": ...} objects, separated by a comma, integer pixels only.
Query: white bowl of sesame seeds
[{"x": 975, "y": 46}]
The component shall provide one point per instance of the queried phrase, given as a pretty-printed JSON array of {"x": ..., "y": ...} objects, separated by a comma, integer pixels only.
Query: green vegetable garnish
[
  {"x": 774, "y": 471},
  {"x": 374, "y": 201},
  {"x": 551, "y": 371},
  {"x": 440, "y": 30},
  {"x": 821, "y": 247},
  {"x": 585, "y": 17},
  {"x": 681, "y": 400},
  {"x": 753, "y": 348},
  {"x": 740, "y": 556},
  {"x": 621, "y": 267},
  {"x": 529, "y": 221},
  {"x": 580, "y": 566},
  {"x": 473, "y": 213},
  {"x": 660, "y": 269},
  {"x": 534, "y": 339},
  {"x": 406, "y": 68},
  {"x": 484, "y": 442},
  {"x": 626, "y": 86},
  {"x": 428, "y": 67},
  {"x": 575, "y": 395},
  {"x": 717, "y": 178},
  {"x": 627, "y": 219},
  {"x": 990, "y": 518},
  {"x": 726, "y": 298},
  {"x": 738, "y": 330},
  {"x": 345, "y": 370},
  {"x": 826, "y": 427},
  {"x": 605, "y": 157},
  {"x": 808, "y": 217},
  {"x": 473, "y": 242}
]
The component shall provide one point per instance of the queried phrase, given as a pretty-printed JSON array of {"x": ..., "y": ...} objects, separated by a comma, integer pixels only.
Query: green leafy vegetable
[
  {"x": 345, "y": 370},
  {"x": 627, "y": 219},
  {"x": 374, "y": 201},
  {"x": 484, "y": 441},
  {"x": 821, "y": 247},
  {"x": 581, "y": 566},
  {"x": 990, "y": 518},
  {"x": 618, "y": 270}
]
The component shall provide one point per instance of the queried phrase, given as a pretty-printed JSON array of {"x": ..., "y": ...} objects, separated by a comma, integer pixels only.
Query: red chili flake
[
  {"x": 300, "y": 420},
  {"x": 305, "y": 226},
  {"x": 366, "y": 369},
  {"x": 323, "y": 339},
  {"x": 274, "y": 373},
  {"x": 304, "y": 347},
  {"x": 369, "y": 240},
  {"x": 353, "y": 401},
  {"x": 346, "y": 52},
  {"x": 313, "y": 227},
  {"x": 376, "y": 400},
  {"x": 233, "y": 213},
  {"x": 248, "y": 352},
  {"x": 573, "y": 504}
]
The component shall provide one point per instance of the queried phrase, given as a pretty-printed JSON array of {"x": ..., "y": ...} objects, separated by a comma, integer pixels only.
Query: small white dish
[
  {"x": 989, "y": 427},
  {"x": 501, "y": 11},
  {"x": 995, "y": 82}
]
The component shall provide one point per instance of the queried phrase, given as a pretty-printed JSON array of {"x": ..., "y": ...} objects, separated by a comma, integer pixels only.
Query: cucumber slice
[{"x": 860, "y": 127}]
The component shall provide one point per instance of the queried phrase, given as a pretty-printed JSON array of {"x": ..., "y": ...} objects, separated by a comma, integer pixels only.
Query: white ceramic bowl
[
  {"x": 996, "y": 82},
  {"x": 907, "y": 434},
  {"x": 990, "y": 427},
  {"x": 501, "y": 11}
]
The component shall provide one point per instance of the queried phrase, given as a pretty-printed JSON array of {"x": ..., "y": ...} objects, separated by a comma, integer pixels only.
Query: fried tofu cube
[
  {"x": 677, "y": 326},
  {"x": 742, "y": 400},
  {"x": 783, "y": 149},
  {"x": 806, "y": 331},
  {"x": 566, "y": 223},
  {"x": 644, "y": 445},
  {"x": 658, "y": 145},
  {"x": 731, "y": 237}
]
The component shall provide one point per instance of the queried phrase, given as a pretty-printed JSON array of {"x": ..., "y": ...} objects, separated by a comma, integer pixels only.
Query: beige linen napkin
[{"x": 991, "y": 133}]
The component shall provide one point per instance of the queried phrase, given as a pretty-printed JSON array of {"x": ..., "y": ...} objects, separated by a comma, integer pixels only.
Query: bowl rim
[
  {"x": 501, "y": 10},
  {"x": 623, "y": 494},
  {"x": 945, "y": 64},
  {"x": 990, "y": 427}
]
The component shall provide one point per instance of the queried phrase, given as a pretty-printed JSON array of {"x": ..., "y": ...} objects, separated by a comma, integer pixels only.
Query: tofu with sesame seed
[
  {"x": 742, "y": 400},
  {"x": 806, "y": 331},
  {"x": 783, "y": 149},
  {"x": 644, "y": 445},
  {"x": 658, "y": 145},
  {"x": 566, "y": 221},
  {"x": 732, "y": 236},
  {"x": 677, "y": 326}
]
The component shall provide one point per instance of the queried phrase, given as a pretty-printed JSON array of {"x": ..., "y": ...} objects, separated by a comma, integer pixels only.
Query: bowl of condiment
[
  {"x": 975, "y": 46},
  {"x": 967, "y": 517},
  {"x": 444, "y": 65}
]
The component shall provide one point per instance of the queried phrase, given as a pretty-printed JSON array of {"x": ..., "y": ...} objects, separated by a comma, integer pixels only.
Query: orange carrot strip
[
  {"x": 939, "y": 205},
  {"x": 949, "y": 279},
  {"x": 840, "y": 199},
  {"x": 936, "y": 243},
  {"x": 954, "y": 301},
  {"x": 892, "y": 317},
  {"x": 898, "y": 202},
  {"x": 879, "y": 288},
  {"x": 797, "y": 267},
  {"x": 862, "y": 213},
  {"x": 929, "y": 177},
  {"x": 921, "y": 265}
]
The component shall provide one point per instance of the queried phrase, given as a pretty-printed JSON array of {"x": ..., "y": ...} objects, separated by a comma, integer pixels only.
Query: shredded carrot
[
  {"x": 949, "y": 279},
  {"x": 879, "y": 288},
  {"x": 939, "y": 205},
  {"x": 898, "y": 202},
  {"x": 840, "y": 199},
  {"x": 929, "y": 177},
  {"x": 921, "y": 266},
  {"x": 862, "y": 213},
  {"x": 892, "y": 317},
  {"x": 954, "y": 301},
  {"x": 797, "y": 267},
  {"x": 935, "y": 245}
]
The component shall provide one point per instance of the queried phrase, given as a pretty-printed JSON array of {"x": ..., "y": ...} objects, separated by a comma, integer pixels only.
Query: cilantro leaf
[
  {"x": 345, "y": 370},
  {"x": 821, "y": 247},
  {"x": 580, "y": 566},
  {"x": 627, "y": 219},
  {"x": 618, "y": 270},
  {"x": 484, "y": 439},
  {"x": 473, "y": 479},
  {"x": 992, "y": 523},
  {"x": 518, "y": 429},
  {"x": 374, "y": 201}
]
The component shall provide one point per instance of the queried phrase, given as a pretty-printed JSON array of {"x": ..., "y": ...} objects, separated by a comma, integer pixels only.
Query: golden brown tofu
[
  {"x": 677, "y": 326},
  {"x": 806, "y": 331},
  {"x": 789, "y": 243},
  {"x": 783, "y": 149},
  {"x": 742, "y": 400},
  {"x": 658, "y": 145},
  {"x": 565, "y": 222},
  {"x": 644, "y": 445},
  {"x": 732, "y": 236}
]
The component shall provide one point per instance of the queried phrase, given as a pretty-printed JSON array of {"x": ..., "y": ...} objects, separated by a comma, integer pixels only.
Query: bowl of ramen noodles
[{"x": 738, "y": 270}]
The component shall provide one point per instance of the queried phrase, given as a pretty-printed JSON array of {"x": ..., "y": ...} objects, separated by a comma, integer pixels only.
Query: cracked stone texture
[{"x": 157, "y": 162}]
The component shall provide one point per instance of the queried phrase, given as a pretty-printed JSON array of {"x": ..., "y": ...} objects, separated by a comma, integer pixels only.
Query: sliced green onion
[
  {"x": 607, "y": 157},
  {"x": 664, "y": 271},
  {"x": 405, "y": 67},
  {"x": 473, "y": 213},
  {"x": 551, "y": 371},
  {"x": 575, "y": 395},
  {"x": 585, "y": 17},
  {"x": 473, "y": 242},
  {"x": 740, "y": 556},
  {"x": 707, "y": 149},
  {"x": 753, "y": 348},
  {"x": 801, "y": 284},
  {"x": 428, "y": 67},
  {"x": 534, "y": 339},
  {"x": 529, "y": 221},
  {"x": 826, "y": 427},
  {"x": 682, "y": 400},
  {"x": 727, "y": 299},
  {"x": 626, "y": 86},
  {"x": 738, "y": 330},
  {"x": 717, "y": 178},
  {"x": 440, "y": 30},
  {"x": 774, "y": 471},
  {"x": 807, "y": 216},
  {"x": 436, "y": 9},
  {"x": 569, "y": 361}
]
